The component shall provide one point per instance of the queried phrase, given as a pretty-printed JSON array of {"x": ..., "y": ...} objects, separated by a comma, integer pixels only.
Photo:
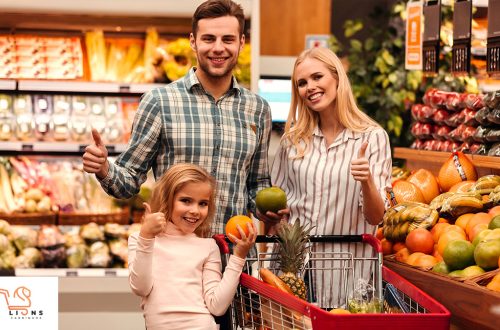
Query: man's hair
[
  {"x": 173, "y": 180},
  {"x": 218, "y": 8}
]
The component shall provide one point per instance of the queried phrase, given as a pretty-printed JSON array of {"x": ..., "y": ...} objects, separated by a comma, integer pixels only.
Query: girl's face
[
  {"x": 316, "y": 85},
  {"x": 190, "y": 206}
]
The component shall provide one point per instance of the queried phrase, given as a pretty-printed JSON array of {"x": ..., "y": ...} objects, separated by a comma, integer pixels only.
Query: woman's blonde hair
[
  {"x": 174, "y": 179},
  {"x": 302, "y": 121}
]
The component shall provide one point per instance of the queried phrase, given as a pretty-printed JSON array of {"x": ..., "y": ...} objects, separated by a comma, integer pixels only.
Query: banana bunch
[
  {"x": 486, "y": 184},
  {"x": 399, "y": 173},
  {"x": 461, "y": 203},
  {"x": 438, "y": 201},
  {"x": 494, "y": 196},
  {"x": 399, "y": 220}
]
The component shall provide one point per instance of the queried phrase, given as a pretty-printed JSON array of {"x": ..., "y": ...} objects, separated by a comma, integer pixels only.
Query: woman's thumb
[{"x": 147, "y": 208}]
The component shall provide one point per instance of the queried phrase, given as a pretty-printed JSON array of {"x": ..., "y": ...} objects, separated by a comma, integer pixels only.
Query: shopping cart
[{"x": 258, "y": 305}]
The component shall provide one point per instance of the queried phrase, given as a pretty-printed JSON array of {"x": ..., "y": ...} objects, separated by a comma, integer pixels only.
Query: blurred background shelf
[{"x": 54, "y": 148}]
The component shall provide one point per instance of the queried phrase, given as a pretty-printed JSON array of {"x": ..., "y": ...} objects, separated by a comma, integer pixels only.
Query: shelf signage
[{"x": 413, "y": 59}]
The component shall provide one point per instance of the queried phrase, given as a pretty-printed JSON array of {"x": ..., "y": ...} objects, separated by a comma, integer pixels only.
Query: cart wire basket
[{"x": 397, "y": 303}]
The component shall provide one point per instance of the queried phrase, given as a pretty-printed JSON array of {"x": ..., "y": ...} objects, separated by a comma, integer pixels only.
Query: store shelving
[
  {"x": 83, "y": 87},
  {"x": 54, "y": 148},
  {"x": 7, "y": 85}
]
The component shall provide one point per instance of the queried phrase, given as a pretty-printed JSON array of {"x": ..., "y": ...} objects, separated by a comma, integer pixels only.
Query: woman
[{"x": 334, "y": 164}]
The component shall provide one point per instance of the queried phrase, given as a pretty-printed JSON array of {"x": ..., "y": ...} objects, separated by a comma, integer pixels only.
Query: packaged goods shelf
[
  {"x": 7, "y": 85},
  {"x": 54, "y": 148},
  {"x": 83, "y": 87}
]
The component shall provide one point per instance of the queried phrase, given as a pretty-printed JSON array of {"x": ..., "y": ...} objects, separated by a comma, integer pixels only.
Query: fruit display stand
[
  {"x": 471, "y": 305},
  {"x": 432, "y": 160}
]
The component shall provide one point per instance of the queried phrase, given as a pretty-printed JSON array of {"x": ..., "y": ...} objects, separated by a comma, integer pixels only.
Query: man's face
[{"x": 217, "y": 45}]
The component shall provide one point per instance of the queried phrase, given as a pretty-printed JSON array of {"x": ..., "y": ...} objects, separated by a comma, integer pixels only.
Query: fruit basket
[
  {"x": 78, "y": 218},
  {"x": 260, "y": 305},
  {"x": 48, "y": 218},
  {"x": 483, "y": 280}
]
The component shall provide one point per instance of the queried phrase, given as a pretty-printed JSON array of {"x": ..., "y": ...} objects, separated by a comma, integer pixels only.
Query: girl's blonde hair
[
  {"x": 302, "y": 121},
  {"x": 174, "y": 179}
]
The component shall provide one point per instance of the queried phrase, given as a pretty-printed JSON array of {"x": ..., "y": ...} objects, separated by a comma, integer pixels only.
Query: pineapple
[{"x": 292, "y": 254}]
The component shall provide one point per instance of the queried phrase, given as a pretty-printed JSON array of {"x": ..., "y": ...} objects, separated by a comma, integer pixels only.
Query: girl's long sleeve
[{"x": 140, "y": 256}]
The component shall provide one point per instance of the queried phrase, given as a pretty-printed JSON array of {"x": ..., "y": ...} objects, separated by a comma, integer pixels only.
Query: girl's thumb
[{"x": 147, "y": 208}]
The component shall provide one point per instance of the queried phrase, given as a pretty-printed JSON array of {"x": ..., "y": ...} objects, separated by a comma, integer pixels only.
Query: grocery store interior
[{"x": 69, "y": 66}]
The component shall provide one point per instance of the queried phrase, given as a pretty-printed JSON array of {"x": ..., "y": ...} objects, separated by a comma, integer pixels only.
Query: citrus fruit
[
  {"x": 412, "y": 259},
  {"x": 459, "y": 254},
  {"x": 425, "y": 262},
  {"x": 494, "y": 234},
  {"x": 420, "y": 240},
  {"x": 398, "y": 246},
  {"x": 487, "y": 253},
  {"x": 270, "y": 199},
  {"x": 473, "y": 270},
  {"x": 480, "y": 237},
  {"x": 463, "y": 220},
  {"x": 241, "y": 220},
  {"x": 386, "y": 246},
  {"x": 446, "y": 238},
  {"x": 494, "y": 211},
  {"x": 450, "y": 175},
  {"x": 456, "y": 273},
  {"x": 405, "y": 191},
  {"x": 494, "y": 283},
  {"x": 480, "y": 217},
  {"x": 426, "y": 181},
  {"x": 437, "y": 230},
  {"x": 402, "y": 255},
  {"x": 441, "y": 268},
  {"x": 495, "y": 222},
  {"x": 463, "y": 186},
  {"x": 380, "y": 233},
  {"x": 339, "y": 311},
  {"x": 476, "y": 231}
]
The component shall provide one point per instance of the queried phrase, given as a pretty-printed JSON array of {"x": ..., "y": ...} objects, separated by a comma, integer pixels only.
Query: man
[{"x": 204, "y": 118}]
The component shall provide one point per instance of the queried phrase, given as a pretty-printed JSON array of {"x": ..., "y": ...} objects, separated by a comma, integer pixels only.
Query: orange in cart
[{"x": 241, "y": 220}]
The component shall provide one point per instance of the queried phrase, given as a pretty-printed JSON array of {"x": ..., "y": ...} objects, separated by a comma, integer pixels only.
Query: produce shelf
[{"x": 432, "y": 160}]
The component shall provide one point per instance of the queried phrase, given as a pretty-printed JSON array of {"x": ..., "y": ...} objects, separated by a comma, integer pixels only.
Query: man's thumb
[
  {"x": 147, "y": 208},
  {"x": 362, "y": 150},
  {"x": 97, "y": 138}
]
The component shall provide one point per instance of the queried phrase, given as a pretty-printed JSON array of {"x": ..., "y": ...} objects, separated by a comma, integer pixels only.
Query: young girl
[{"x": 173, "y": 266}]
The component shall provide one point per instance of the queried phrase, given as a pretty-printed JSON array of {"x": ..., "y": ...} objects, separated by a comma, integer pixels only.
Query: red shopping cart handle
[{"x": 365, "y": 238}]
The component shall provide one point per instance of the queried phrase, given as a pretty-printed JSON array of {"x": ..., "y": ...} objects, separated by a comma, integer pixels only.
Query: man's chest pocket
[{"x": 239, "y": 140}]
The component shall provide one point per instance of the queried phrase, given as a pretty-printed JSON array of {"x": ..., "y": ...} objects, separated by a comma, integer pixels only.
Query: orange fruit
[
  {"x": 494, "y": 283},
  {"x": 402, "y": 255},
  {"x": 487, "y": 253},
  {"x": 494, "y": 211},
  {"x": 241, "y": 220},
  {"x": 447, "y": 237},
  {"x": 426, "y": 181},
  {"x": 398, "y": 246},
  {"x": 412, "y": 258},
  {"x": 436, "y": 254},
  {"x": 420, "y": 240},
  {"x": 495, "y": 222},
  {"x": 437, "y": 230},
  {"x": 380, "y": 233},
  {"x": 449, "y": 174},
  {"x": 462, "y": 186},
  {"x": 405, "y": 191},
  {"x": 476, "y": 219},
  {"x": 270, "y": 199},
  {"x": 386, "y": 246},
  {"x": 476, "y": 230},
  {"x": 456, "y": 229},
  {"x": 426, "y": 261},
  {"x": 339, "y": 311},
  {"x": 443, "y": 220},
  {"x": 463, "y": 220}
]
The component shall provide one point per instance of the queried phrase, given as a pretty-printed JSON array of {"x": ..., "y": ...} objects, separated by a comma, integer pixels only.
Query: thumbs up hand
[
  {"x": 152, "y": 223},
  {"x": 95, "y": 158},
  {"x": 360, "y": 167}
]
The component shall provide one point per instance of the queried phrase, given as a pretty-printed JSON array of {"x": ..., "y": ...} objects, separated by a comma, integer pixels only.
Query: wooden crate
[
  {"x": 471, "y": 307},
  {"x": 49, "y": 218}
]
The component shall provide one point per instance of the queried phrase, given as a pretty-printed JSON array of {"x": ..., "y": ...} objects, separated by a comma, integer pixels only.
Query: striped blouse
[{"x": 322, "y": 192}]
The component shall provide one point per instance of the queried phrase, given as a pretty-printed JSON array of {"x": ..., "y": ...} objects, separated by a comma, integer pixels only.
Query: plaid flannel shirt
[{"x": 181, "y": 122}]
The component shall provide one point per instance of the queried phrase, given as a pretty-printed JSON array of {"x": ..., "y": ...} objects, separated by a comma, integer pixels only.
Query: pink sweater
[{"x": 180, "y": 281}]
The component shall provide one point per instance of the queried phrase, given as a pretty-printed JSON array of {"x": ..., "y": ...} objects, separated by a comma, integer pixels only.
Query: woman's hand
[
  {"x": 153, "y": 223},
  {"x": 360, "y": 167},
  {"x": 271, "y": 220},
  {"x": 245, "y": 243}
]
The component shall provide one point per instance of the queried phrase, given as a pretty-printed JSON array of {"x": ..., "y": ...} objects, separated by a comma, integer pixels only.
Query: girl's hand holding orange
[
  {"x": 245, "y": 243},
  {"x": 153, "y": 223}
]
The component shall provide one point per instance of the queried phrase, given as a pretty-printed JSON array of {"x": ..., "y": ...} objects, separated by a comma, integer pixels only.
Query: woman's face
[
  {"x": 190, "y": 206},
  {"x": 316, "y": 85}
]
